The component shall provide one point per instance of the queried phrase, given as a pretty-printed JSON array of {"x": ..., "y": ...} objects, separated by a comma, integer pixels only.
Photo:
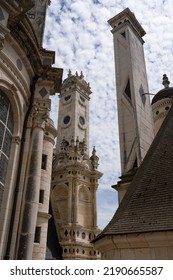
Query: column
[{"x": 31, "y": 203}]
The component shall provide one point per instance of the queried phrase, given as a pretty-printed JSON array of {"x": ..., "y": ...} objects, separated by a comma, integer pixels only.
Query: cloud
[{"x": 79, "y": 33}]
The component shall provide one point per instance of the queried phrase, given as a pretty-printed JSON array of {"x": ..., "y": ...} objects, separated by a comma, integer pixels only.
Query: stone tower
[
  {"x": 73, "y": 118},
  {"x": 134, "y": 110},
  {"x": 75, "y": 174}
]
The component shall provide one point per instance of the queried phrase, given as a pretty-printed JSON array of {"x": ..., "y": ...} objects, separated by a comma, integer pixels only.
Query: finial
[
  {"x": 77, "y": 141},
  {"x": 63, "y": 144},
  {"x": 81, "y": 75},
  {"x": 165, "y": 82},
  {"x": 72, "y": 141},
  {"x": 94, "y": 151},
  {"x": 69, "y": 73},
  {"x": 84, "y": 144}
]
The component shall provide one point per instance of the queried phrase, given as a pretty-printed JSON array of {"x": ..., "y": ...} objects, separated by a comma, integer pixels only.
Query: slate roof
[
  {"x": 148, "y": 203},
  {"x": 164, "y": 93}
]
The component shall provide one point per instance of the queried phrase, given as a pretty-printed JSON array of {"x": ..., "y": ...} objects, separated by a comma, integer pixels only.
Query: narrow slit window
[
  {"x": 44, "y": 162},
  {"x": 6, "y": 133},
  {"x": 41, "y": 196},
  {"x": 37, "y": 235},
  {"x": 127, "y": 90}
]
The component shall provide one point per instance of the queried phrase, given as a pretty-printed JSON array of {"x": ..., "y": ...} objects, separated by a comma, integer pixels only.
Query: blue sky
[{"x": 79, "y": 33}]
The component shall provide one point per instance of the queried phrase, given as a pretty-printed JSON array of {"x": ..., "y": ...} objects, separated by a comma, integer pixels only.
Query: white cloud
[{"x": 79, "y": 33}]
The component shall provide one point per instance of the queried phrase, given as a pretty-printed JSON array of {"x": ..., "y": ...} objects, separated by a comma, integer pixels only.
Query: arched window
[{"x": 6, "y": 131}]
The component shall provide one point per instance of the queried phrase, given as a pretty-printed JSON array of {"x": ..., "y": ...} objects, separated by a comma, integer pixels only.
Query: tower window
[
  {"x": 6, "y": 131},
  {"x": 44, "y": 162},
  {"x": 41, "y": 196},
  {"x": 127, "y": 90},
  {"x": 81, "y": 120},
  {"x": 82, "y": 98},
  {"x": 66, "y": 119},
  {"x": 37, "y": 235},
  {"x": 123, "y": 34},
  {"x": 67, "y": 97}
]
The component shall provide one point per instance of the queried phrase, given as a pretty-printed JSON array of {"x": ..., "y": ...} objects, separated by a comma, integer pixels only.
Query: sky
[{"x": 79, "y": 34}]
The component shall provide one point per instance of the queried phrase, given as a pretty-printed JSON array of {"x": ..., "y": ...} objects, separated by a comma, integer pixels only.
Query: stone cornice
[
  {"x": 44, "y": 215},
  {"x": 17, "y": 8},
  {"x": 127, "y": 17}
]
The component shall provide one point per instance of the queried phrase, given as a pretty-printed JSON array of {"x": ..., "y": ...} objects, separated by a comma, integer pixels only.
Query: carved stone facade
[
  {"x": 27, "y": 140},
  {"x": 75, "y": 174},
  {"x": 27, "y": 79}
]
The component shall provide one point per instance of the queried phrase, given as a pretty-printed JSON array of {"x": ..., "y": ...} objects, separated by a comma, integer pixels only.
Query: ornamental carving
[{"x": 39, "y": 115}]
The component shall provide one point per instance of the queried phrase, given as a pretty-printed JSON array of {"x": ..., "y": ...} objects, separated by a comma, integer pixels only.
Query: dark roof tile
[{"x": 148, "y": 203}]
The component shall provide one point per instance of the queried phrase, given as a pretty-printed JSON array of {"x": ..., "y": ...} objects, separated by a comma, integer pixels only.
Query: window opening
[
  {"x": 82, "y": 98},
  {"x": 41, "y": 196},
  {"x": 127, "y": 90},
  {"x": 124, "y": 34},
  {"x": 6, "y": 132},
  {"x": 66, "y": 120},
  {"x": 44, "y": 162},
  {"x": 67, "y": 97},
  {"x": 37, "y": 235}
]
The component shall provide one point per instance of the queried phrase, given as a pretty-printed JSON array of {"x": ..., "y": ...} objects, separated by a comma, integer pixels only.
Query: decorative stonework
[
  {"x": 39, "y": 114},
  {"x": 75, "y": 81},
  {"x": 15, "y": 75},
  {"x": 43, "y": 92},
  {"x": 16, "y": 140},
  {"x": 73, "y": 197}
]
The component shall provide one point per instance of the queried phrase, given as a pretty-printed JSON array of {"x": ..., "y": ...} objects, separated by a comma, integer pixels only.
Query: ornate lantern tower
[{"x": 75, "y": 174}]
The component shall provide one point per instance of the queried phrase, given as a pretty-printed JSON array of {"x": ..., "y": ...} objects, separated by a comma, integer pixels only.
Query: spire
[
  {"x": 69, "y": 73},
  {"x": 81, "y": 75},
  {"x": 166, "y": 81}
]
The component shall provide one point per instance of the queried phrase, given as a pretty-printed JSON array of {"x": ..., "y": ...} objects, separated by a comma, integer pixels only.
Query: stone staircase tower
[{"x": 75, "y": 174}]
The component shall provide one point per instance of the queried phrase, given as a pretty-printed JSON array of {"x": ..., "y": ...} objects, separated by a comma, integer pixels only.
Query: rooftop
[{"x": 148, "y": 203}]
